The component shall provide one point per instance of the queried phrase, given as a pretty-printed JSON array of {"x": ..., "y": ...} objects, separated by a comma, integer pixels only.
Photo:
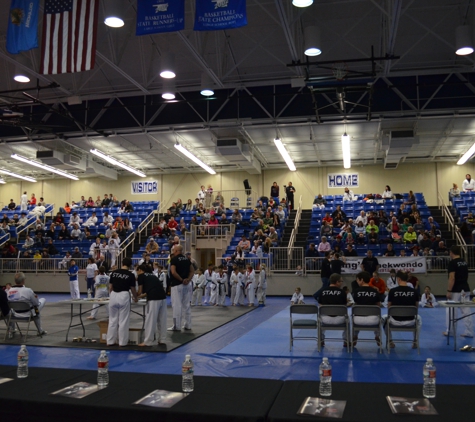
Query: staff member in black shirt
[
  {"x": 121, "y": 282},
  {"x": 156, "y": 310},
  {"x": 181, "y": 273},
  {"x": 458, "y": 281},
  {"x": 370, "y": 264},
  {"x": 366, "y": 295},
  {"x": 325, "y": 273}
]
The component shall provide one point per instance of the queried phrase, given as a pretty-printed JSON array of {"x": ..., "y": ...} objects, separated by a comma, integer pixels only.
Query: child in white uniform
[
  {"x": 428, "y": 300},
  {"x": 101, "y": 283},
  {"x": 240, "y": 287},
  {"x": 262, "y": 286},
  {"x": 209, "y": 278},
  {"x": 213, "y": 300},
  {"x": 222, "y": 286},
  {"x": 233, "y": 280},
  {"x": 198, "y": 287},
  {"x": 251, "y": 285},
  {"x": 297, "y": 297}
]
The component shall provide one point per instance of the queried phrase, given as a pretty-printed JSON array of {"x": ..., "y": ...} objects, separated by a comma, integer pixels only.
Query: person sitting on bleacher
[
  {"x": 319, "y": 202},
  {"x": 244, "y": 244},
  {"x": 273, "y": 236},
  {"x": 74, "y": 219},
  {"x": 95, "y": 249},
  {"x": 410, "y": 236},
  {"x": 387, "y": 194},
  {"x": 363, "y": 218},
  {"x": 90, "y": 203},
  {"x": 425, "y": 242},
  {"x": 405, "y": 225},
  {"x": 182, "y": 227},
  {"x": 236, "y": 216},
  {"x": 373, "y": 237},
  {"x": 280, "y": 213},
  {"x": 268, "y": 220},
  {"x": 29, "y": 243},
  {"x": 107, "y": 219},
  {"x": 349, "y": 195},
  {"x": 157, "y": 230},
  {"x": 91, "y": 221},
  {"x": 76, "y": 233},
  {"x": 152, "y": 247},
  {"x": 172, "y": 224},
  {"x": 59, "y": 219},
  {"x": 324, "y": 245},
  {"x": 52, "y": 250},
  {"x": 106, "y": 201},
  {"x": 326, "y": 229},
  {"x": 4, "y": 229},
  {"x": 337, "y": 211},
  {"x": 63, "y": 233},
  {"x": 220, "y": 209},
  {"x": 338, "y": 221},
  {"x": 128, "y": 207},
  {"x": 418, "y": 226},
  {"x": 328, "y": 219},
  {"x": 256, "y": 215},
  {"x": 11, "y": 205},
  {"x": 5, "y": 219},
  {"x": 360, "y": 232},
  {"x": 431, "y": 223},
  {"x": 114, "y": 203},
  {"x": 109, "y": 231}
]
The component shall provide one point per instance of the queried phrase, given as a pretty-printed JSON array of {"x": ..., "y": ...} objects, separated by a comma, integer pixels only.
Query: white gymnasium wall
[{"x": 427, "y": 178}]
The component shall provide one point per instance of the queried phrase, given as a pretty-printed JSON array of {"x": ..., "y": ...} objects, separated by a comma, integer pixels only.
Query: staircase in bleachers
[
  {"x": 444, "y": 227},
  {"x": 289, "y": 225}
]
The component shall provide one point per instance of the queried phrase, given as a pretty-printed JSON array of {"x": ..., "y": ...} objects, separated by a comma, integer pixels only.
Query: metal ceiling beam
[
  {"x": 394, "y": 16},
  {"x": 101, "y": 113},
  {"x": 436, "y": 91},
  {"x": 399, "y": 93}
]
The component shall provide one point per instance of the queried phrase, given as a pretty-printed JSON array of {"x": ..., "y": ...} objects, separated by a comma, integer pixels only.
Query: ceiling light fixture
[
  {"x": 117, "y": 163},
  {"x": 21, "y": 74},
  {"x": 167, "y": 66},
  {"x": 285, "y": 155},
  {"x": 312, "y": 43},
  {"x": 114, "y": 15},
  {"x": 463, "y": 40},
  {"x": 188, "y": 154},
  {"x": 168, "y": 90},
  {"x": 345, "y": 147},
  {"x": 28, "y": 179},
  {"x": 2, "y": 181},
  {"x": 466, "y": 156},
  {"x": 44, "y": 167},
  {"x": 302, "y": 3},
  {"x": 206, "y": 85}
]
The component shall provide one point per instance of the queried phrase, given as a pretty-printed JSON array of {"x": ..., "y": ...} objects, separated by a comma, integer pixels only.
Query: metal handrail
[
  {"x": 293, "y": 234},
  {"x": 448, "y": 217}
]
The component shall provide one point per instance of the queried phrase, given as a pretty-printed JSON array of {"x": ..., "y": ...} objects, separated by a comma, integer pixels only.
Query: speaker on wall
[{"x": 247, "y": 186}]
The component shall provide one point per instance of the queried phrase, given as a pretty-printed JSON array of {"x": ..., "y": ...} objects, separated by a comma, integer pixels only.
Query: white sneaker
[{"x": 173, "y": 329}]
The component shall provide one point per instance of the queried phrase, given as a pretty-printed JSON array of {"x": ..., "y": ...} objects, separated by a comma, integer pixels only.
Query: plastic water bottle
[
  {"x": 103, "y": 370},
  {"x": 462, "y": 296},
  {"x": 187, "y": 383},
  {"x": 325, "y": 372},
  {"x": 22, "y": 371},
  {"x": 89, "y": 295},
  {"x": 428, "y": 390}
]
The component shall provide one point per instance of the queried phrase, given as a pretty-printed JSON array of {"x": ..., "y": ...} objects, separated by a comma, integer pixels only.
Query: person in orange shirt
[{"x": 378, "y": 283}]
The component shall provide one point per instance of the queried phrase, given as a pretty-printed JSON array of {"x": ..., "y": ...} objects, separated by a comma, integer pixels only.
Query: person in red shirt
[
  {"x": 172, "y": 224},
  {"x": 328, "y": 219},
  {"x": 33, "y": 199},
  {"x": 378, "y": 283}
]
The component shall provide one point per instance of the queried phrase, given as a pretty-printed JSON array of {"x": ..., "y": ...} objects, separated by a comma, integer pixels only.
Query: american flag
[{"x": 69, "y": 36}]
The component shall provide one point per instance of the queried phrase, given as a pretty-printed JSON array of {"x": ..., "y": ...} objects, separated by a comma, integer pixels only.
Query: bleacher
[
  {"x": 353, "y": 210},
  {"x": 141, "y": 210},
  {"x": 31, "y": 219},
  {"x": 464, "y": 204}
]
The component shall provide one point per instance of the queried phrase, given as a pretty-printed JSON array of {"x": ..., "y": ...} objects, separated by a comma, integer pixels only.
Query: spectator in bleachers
[
  {"x": 63, "y": 233},
  {"x": 128, "y": 207},
  {"x": 290, "y": 191},
  {"x": 218, "y": 200},
  {"x": 272, "y": 204},
  {"x": 29, "y": 243},
  {"x": 112, "y": 250},
  {"x": 244, "y": 243},
  {"x": 389, "y": 250},
  {"x": 106, "y": 201},
  {"x": 15, "y": 220},
  {"x": 338, "y": 221},
  {"x": 280, "y": 213},
  {"x": 283, "y": 202},
  {"x": 59, "y": 219},
  {"x": 90, "y": 203},
  {"x": 91, "y": 221},
  {"x": 431, "y": 223},
  {"x": 268, "y": 220},
  {"x": 157, "y": 230},
  {"x": 311, "y": 255},
  {"x": 121, "y": 232},
  {"x": 236, "y": 217},
  {"x": 405, "y": 225},
  {"x": 11, "y": 205},
  {"x": 41, "y": 202},
  {"x": 109, "y": 231},
  {"x": 32, "y": 200},
  {"x": 328, "y": 219},
  {"x": 411, "y": 199},
  {"x": 256, "y": 215},
  {"x": 465, "y": 231},
  {"x": 387, "y": 194},
  {"x": 383, "y": 219},
  {"x": 260, "y": 206},
  {"x": 470, "y": 220},
  {"x": 326, "y": 230},
  {"x": 23, "y": 220},
  {"x": 52, "y": 250},
  {"x": 76, "y": 254},
  {"x": 66, "y": 209},
  {"x": 39, "y": 240},
  {"x": 220, "y": 209},
  {"x": 166, "y": 232},
  {"x": 238, "y": 256},
  {"x": 454, "y": 192},
  {"x": 372, "y": 226},
  {"x": 172, "y": 224},
  {"x": 5, "y": 219},
  {"x": 206, "y": 215},
  {"x": 360, "y": 232},
  {"x": 373, "y": 237},
  {"x": 402, "y": 214},
  {"x": 394, "y": 229},
  {"x": 82, "y": 203},
  {"x": 24, "y": 201},
  {"x": 4, "y": 229},
  {"x": 107, "y": 219},
  {"x": 349, "y": 195},
  {"x": 212, "y": 224},
  {"x": 224, "y": 219},
  {"x": 468, "y": 184},
  {"x": 324, "y": 245},
  {"x": 259, "y": 236},
  {"x": 273, "y": 236},
  {"x": 76, "y": 233},
  {"x": 274, "y": 190},
  {"x": 152, "y": 247},
  {"x": 402, "y": 253},
  {"x": 415, "y": 251},
  {"x": 425, "y": 242},
  {"x": 64, "y": 263},
  {"x": 338, "y": 242},
  {"x": 350, "y": 251},
  {"x": 201, "y": 195},
  {"x": 418, "y": 226},
  {"x": 95, "y": 249},
  {"x": 168, "y": 215},
  {"x": 410, "y": 236},
  {"x": 114, "y": 203},
  {"x": 362, "y": 217},
  {"x": 174, "y": 209},
  {"x": 337, "y": 211},
  {"x": 74, "y": 219},
  {"x": 188, "y": 206},
  {"x": 319, "y": 202},
  {"x": 267, "y": 245}
]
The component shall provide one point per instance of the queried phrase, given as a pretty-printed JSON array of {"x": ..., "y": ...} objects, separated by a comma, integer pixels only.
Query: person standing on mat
[
  {"x": 458, "y": 281},
  {"x": 73, "y": 280},
  {"x": 120, "y": 283},
  {"x": 325, "y": 273},
  {"x": 151, "y": 288},
  {"x": 181, "y": 273}
]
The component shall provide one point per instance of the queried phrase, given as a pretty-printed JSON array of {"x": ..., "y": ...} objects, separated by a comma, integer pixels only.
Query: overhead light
[
  {"x": 345, "y": 147},
  {"x": 117, "y": 163},
  {"x": 187, "y": 153},
  {"x": 18, "y": 176},
  {"x": 312, "y": 44},
  {"x": 2, "y": 181},
  {"x": 302, "y": 3},
  {"x": 466, "y": 156},
  {"x": 168, "y": 96},
  {"x": 463, "y": 40},
  {"x": 285, "y": 155},
  {"x": 167, "y": 66},
  {"x": 20, "y": 74},
  {"x": 114, "y": 14},
  {"x": 21, "y": 77},
  {"x": 44, "y": 167},
  {"x": 206, "y": 85},
  {"x": 168, "y": 90}
]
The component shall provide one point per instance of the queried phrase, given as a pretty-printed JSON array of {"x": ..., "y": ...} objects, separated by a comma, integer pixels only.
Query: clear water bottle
[
  {"x": 22, "y": 371},
  {"x": 325, "y": 372},
  {"x": 89, "y": 294},
  {"x": 428, "y": 390},
  {"x": 187, "y": 383},
  {"x": 462, "y": 296},
  {"x": 103, "y": 370}
]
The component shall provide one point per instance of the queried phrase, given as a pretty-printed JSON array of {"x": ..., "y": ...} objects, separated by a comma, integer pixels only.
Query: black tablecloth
[
  {"x": 367, "y": 402},
  {"x": 214, "y": 399}
]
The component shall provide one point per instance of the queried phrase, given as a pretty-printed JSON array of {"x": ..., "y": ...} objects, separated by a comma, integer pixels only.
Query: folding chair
[
  {"x": 364, "y": 311},
  {"x": 303, "y": 324},
  {"x": 25, "y": 309},
  {"x": 402, "y": 311},
  {"x": 333, "y": 310}
]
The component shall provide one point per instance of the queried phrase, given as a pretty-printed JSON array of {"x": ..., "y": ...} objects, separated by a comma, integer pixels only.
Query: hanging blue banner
[
  {"x": 22, "y": 32},
  {"x": 212, "y": 15},
  {"x": 155, "y": 16}
]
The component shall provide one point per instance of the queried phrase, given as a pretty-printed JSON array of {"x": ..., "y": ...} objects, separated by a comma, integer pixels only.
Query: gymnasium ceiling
[{"x": 423, "y": 87}]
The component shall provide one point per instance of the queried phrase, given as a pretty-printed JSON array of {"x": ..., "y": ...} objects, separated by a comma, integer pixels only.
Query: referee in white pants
[
  {"x": 181, "y": 271},
  {"x": 156, "y": 310},
  {"x": 121, "y": 281}
]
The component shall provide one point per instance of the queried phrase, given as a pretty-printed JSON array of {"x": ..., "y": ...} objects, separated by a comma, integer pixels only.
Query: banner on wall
[
  {"x": 343, "y": 180},
  {"x": 144, "y": 188},
  {"x": 213, "y": 15},
  {"x": 155, "y": 16},
  {"x": 414, "y": 264}
]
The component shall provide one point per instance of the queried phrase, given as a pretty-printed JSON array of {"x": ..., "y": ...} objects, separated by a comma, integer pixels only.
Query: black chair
[
  {"x": 365, "y": 311},
  {"x": 333, "y": 311},
  {"x": 23, "y": 308},
  {"x": 402, "y": 311},
  {"x": 303, "y": 323}
]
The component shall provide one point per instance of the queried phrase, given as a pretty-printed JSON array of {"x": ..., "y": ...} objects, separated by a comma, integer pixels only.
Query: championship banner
[
  {"x": 155, "y": 16},
  {"x": 414, "y": 264},
  {"x": 22, "y": 32},
  {"x": 144, "y": 188},
  {"x": 213, "y": 15}
]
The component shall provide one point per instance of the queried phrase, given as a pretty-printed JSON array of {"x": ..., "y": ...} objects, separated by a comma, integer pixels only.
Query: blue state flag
[
  {"x": 155, "y": 16},
  {"x": 22, "y": 32},
  {"x": 213, "y": 15}
]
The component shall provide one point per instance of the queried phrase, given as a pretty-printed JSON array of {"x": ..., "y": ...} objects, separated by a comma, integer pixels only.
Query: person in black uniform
[
  {"x": 332, "y": 295},
  {"x": 366, "y": 295},
  {"x": 121, "y": 282},
  {"x": 402, "y": 295},
  {"x": 289, "y": 192},
  {"x": 181, "y": 273},
  {"x": 370, "y": 263},
  {"x": 325, "y": 273},
  {"x": 156, "y": 310},
  {"x": 458, "y": 281},
  {"x": 4, "y": 308}
]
